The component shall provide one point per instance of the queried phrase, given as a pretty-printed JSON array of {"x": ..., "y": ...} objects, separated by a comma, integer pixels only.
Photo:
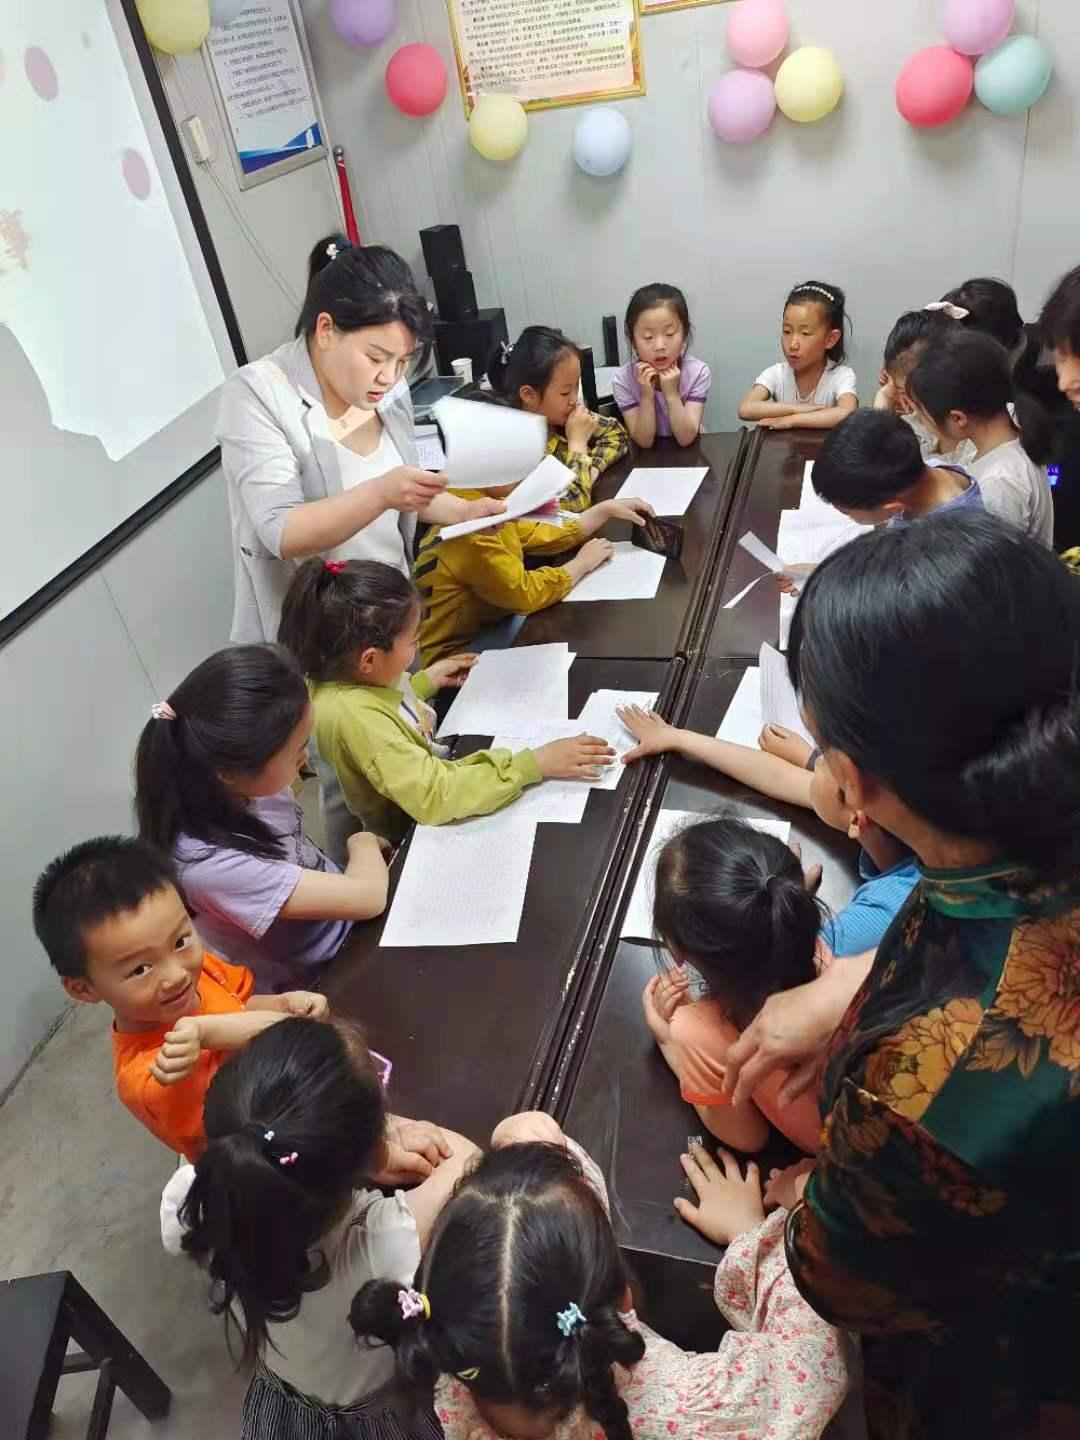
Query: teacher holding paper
[{"x": 317, "y": 440}]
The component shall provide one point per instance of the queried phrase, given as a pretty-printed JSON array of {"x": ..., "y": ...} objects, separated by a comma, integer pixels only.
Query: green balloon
[{"x": 1014, "y": 76}]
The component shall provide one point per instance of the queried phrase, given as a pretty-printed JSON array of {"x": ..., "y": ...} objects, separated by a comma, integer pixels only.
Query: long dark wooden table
[{"x": 662, "y": 627}]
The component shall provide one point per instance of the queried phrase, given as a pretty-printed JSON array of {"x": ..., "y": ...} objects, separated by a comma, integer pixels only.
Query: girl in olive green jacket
[{"x": 353, "y": 627}]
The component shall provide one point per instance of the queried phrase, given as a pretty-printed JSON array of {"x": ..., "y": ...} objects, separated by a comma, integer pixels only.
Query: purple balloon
[
  {"x": 742, "y": 104},
  {"x": 364, "y": 22}
]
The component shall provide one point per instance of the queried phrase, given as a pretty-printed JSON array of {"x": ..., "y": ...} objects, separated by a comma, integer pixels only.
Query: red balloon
[
  {"x": 416, "y": 79},
  {"x": 934, "y": 86}
]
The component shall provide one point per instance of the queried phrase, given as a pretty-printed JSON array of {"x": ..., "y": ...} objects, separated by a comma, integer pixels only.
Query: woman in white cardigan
[{"x": 318, "y": 449}]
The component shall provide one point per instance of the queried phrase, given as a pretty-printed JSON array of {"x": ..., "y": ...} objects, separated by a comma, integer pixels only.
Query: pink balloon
[
  {"x": 136, "y": 174},
  {"x": 934, "y": 86},
  {"x": 757, "y": 31},
  {"x": 363, "y": 22},
  {"x": 742, "y": 103},
  {"x": 416, "y": 79},
  {"x": 975, "y": 26}
]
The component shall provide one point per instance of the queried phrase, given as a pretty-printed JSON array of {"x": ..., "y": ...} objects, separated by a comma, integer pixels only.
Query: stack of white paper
[
  {"x": 509, "y": 690},
  {"x": 668, "y": 490},
  {"x": 630, "y": 574},
  {"x": 599, "y": 718},
  {"x": 807, "y": 537},
  {"x": 546, "y": 483},
  {"x": 462, "y": 886},
  {"x": 488, "y": 445},
  {"x": 638, "y": 920}
]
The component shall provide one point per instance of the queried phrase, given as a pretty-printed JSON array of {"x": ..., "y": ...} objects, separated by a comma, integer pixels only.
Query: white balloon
[{"x": 224, "y": 12}]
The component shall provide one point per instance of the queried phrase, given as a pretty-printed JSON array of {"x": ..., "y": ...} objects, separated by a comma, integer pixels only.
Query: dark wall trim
[{"x": 40, "y": 601}]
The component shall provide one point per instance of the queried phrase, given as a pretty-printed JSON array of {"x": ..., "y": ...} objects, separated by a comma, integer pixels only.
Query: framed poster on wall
[
  {"x": 262, "y": 77},
  {"x": 661, "y": 7},
  {"x": 547, "y": 52}
]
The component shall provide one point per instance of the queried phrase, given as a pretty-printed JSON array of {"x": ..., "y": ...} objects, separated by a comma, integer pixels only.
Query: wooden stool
[{"x": 38, "y": 1316}]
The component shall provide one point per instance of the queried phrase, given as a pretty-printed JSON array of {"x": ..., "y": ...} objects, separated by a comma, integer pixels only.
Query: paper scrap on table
[
  {"x": 668, "y": 490},
  {"x": 599, "y": 718},
  {"x": 744, "y": 721},
  {"x": 509, "y": 691},
  {"x": 546, "y": 483},
  {"x": 762, "y": 554},
  {"x": 630, "y": 574},
  {"x": 429, "y": 452},
  {"x": 744, "y": 592},
  {"x": 486, "y": 444},
  {"x": 552, "y": 802},
  {"x": 462, "y": 887},
  {"x": 638, "y": 920},
  {"x": 779, "y": 703}
]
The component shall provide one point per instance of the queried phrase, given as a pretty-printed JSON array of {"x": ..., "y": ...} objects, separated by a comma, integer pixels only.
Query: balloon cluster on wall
[
  {"x": 1008, "y": 73},
  {"x": 742, "y": 103},
  {"x": 179, "y": 27}
]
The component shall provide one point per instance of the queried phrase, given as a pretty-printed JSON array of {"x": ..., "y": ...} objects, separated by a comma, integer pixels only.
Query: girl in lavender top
[{"x": 661, "y": 390}]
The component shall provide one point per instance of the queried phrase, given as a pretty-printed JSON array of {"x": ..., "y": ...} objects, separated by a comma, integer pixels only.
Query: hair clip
[
  {"x": 569, "y": 1318},
  {"x": 268, "y": 1136},
  {"x": 333, "y": 250},
  {"x": 507, "y": 350},
  {"x": 162, "y": 710},
  {"x": 819, "y": 290},
  {"x": 382, "y": 1066},
  {"x": 414, "y": 1303},
  {"x": 289, "y": 1159},
  {"x": 954, "y": 312},
  {"x": 334, "y": 566},
  {"x": 468, "y": 1375}
]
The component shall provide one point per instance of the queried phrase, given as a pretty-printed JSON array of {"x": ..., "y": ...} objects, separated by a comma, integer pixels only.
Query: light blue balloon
[
  {"x": 603, "y": 141},
  {"x": 1014, "y": 76}
]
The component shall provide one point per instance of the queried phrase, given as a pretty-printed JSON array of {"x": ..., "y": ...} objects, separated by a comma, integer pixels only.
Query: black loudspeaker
[
  {"x": 455, "y": 295},
  {"x": 611, "y": 340},
  {"x": 588, "y": 378},
  {"x": 476, "y": 339},
  {"x": 442, "y": 249}
]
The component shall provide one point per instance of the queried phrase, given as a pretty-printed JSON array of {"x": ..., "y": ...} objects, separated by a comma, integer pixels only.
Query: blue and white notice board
[{"x": 260, "y": 67}]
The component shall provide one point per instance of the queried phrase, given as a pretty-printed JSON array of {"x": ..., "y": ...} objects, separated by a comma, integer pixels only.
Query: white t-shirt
[
  {"x": 779, "y": 380},
  {"x": 1015, "y": 488},
  {"x": 382, "y": 539}
]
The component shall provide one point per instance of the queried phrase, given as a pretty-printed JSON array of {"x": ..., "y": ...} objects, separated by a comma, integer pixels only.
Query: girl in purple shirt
[{"x": 661, "y": 390}]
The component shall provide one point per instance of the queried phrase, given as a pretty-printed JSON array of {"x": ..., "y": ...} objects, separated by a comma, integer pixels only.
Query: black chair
[{"x": 39, "y": 1315}]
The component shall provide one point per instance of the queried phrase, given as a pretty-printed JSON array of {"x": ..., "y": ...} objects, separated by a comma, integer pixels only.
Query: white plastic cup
[{"x": 463, "y": 370}]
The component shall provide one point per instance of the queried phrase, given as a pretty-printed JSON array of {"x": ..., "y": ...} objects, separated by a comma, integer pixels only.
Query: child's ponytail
[
  {"x": 376, "y": 1315},
  {"x": 334, "y": 610},
  {"x": 606, "y": 1341},
  {"x": 232, "y": 714}
]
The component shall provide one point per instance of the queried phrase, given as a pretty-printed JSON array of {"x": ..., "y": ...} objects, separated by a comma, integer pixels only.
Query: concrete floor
[{"x": 80, "y": 1181}]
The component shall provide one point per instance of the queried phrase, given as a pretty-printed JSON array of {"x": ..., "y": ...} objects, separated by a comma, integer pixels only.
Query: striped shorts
[{"x": 275, "y": 1411}]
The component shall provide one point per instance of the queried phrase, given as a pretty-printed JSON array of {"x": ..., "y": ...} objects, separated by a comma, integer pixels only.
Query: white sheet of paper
[
  {"x": 761, "y": 553},
  {"x": 547, "y": 482},
  {"x": 486, "y": 444},
  {"x": 630, "y": 574},
  {"x": 599, "y": 718},
  {"x": 509, "y": 692},
  {"x": 552, "y": 802},
  {"x": 462, "y": 887},
  {"x": 668, "y": 490},
  {"x": 638, "y": 920},
  {"x": 429, "y": 451},
  {"x": 743, "y": 723},
  {"x": 779, "y": 704}
]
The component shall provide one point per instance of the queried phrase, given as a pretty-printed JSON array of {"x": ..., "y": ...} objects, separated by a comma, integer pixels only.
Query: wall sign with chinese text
[
  {"x": 660, "y": 7},
  {"x": 265, "y": 91},
  {"x": 547, "y": 52}
]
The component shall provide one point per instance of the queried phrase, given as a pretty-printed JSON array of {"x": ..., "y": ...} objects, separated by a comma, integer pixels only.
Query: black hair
[
  {"x": 870, "y": 458},
  {"x": 360, "y": 286},
  {"x": 334, "y": 610},
  {"x": 531, "y": 360},
  {"x": 733, "y": 903},
  {"x": 967, "y": 370},
  {"x": 834, "y": 302},
  {"x": 992, "y": 309},
  {"x": 941, "y": 658},
  {"x": 293, "y": 1123},
  {"x": 89, "y": 883},
  {"x": 234, "y": 713},
  {"x": 522, "y": 1240},
  {"x": 912, "y": 333},
  {"x": 1059, "y": 323},
  {"x": 650, "y": 297}
]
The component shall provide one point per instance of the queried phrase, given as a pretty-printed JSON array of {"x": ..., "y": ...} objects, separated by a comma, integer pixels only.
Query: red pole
[{"x": 351, "y": 229}]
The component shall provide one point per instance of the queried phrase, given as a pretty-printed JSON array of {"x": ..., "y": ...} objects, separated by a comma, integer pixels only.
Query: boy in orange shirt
[{"x": 115, "y": 928}]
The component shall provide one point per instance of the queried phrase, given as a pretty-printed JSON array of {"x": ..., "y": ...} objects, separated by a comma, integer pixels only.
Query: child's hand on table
[
  {"x": 594, "y": 553},
  {"x": 414, "y": 1148},
  {"x": 636, "y": 511},
  {"x": 179, "y": 1052},
  {"x": 308, "y": 1004},
  {"x": 729, "y": 1204},
  {"x": 661, "y": 998},
  {"x": 583, "y": 757},
  {"x": 785, "y": 744},
  {"x": 523, "y": 1129},
  {"x": 785, "y": 1187},
  {"x": 653, "y": 734},
  {"x": 451, "y": 673}
]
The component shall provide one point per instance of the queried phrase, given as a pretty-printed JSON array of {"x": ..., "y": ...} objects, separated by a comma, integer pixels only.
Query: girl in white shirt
[
  {"x": 811, "y": 388},
  {"x": 962, "y": 387}
]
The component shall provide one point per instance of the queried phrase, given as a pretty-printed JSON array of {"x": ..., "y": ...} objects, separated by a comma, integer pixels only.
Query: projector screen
[{"x": 115, "y": 329}]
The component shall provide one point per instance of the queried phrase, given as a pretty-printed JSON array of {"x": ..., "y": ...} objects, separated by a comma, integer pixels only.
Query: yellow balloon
[
  {"x": 498, "y": 127},
  {"x": 809, "y": 85},
  {"x": 175, "y": 27}
]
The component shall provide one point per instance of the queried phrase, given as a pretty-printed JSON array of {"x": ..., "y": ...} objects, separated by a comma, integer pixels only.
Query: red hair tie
[{"x": 335, "y": 566}]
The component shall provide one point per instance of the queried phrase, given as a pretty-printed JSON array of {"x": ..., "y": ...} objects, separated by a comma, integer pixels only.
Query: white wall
[
  {"x": 77, "y": 684},
  {"x": 893, "y": 215}
]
